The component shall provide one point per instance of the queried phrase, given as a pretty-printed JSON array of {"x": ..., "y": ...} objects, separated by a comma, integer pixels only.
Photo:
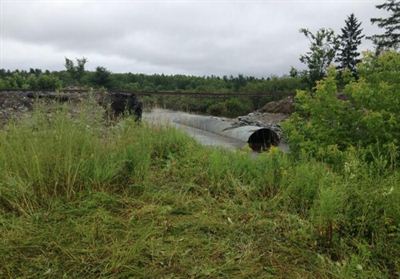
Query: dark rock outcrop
[{"x": 121, "y": 103}]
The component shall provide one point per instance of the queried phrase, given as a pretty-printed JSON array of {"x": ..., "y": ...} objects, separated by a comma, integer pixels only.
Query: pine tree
[
  {"x": 350, "y": 39},
  {"x": 390, "y": 39}
]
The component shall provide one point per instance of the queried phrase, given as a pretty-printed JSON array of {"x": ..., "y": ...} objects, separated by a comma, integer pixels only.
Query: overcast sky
[{"x": 196, "y": 37}]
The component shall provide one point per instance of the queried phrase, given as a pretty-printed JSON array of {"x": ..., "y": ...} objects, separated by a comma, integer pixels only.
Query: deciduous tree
[
  {"x": 323, "y": 46},
  {"x": 102, "y": 77},
  {"x": 76, "y": 72}
]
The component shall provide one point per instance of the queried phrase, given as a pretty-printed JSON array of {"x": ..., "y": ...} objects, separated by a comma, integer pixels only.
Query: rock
[
  {"x": 267, "y": 120},
  {"x": 123, "y": 102}
]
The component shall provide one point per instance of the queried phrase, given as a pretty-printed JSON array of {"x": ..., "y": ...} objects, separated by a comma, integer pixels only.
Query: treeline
[
  {"x": 75, "y": 75},
  {"x": 37, "y": 79},
  {"x": 327, "y": 49}
]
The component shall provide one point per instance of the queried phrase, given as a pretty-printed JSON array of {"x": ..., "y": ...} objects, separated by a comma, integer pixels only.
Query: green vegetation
[
  {"x": 83, "y": 197},
  {"x": 390, "y": 39},
  {"x": 350, "y": 40},
  {"x": 326, "y": 47},
  {"x": 366, "y": 114},
  {"x": 75, "y": 75},
  {"x": 323, "y": 46},
  {"x": 76, "y": 72}
]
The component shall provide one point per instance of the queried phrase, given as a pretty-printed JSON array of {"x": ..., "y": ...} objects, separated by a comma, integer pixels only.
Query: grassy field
[{"x": 80, "y": 198}]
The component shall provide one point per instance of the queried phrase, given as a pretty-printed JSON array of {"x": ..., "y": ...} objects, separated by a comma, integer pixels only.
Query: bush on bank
[{"x": 366, "y": 115}]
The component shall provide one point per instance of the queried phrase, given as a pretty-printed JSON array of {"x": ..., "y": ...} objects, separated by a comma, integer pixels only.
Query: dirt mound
[
  {"x": 285, "y": 106},
  {"x": 14, "y": 104}
]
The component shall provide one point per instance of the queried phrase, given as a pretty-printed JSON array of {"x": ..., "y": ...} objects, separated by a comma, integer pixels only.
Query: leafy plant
[
  {"x": 323, "y": 46},
  {"x": 365, "y": 116}
]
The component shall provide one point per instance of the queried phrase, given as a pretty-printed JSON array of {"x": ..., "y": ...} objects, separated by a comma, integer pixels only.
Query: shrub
[
  {"x": 236, "y": 107},
  {"x": 217, "y": 109},
  {"x": 367, "y": 116}
]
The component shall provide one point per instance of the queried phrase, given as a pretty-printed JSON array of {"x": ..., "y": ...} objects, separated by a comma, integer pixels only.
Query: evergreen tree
[
  {"x": 324, "y": 45},
  {"x": 350, "y": 39},
  {"x": 390, "y": 39}
]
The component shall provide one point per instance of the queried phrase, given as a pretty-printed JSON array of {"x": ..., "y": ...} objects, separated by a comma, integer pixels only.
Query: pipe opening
[{"x": 263, "y": 139}]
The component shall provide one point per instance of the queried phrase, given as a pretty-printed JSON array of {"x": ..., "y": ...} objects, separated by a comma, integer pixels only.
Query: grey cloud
[{"x": 193, "y": 37}]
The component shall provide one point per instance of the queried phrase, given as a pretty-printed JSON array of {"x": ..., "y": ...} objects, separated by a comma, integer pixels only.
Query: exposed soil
[
  {"x": 14, "y": 104},
  {"x": 285, "y": 106}
]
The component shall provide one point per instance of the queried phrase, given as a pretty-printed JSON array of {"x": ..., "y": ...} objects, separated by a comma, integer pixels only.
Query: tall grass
[
  {"x": 57, "y": 155},
  {"x": 83, "y": 197}
]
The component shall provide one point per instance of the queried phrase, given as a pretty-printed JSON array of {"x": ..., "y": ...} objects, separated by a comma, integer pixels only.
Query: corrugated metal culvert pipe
[{"x": 258, "y": 138}]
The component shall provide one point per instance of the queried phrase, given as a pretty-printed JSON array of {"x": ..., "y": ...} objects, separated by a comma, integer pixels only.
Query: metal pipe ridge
[{"x": 258, "y": 138}]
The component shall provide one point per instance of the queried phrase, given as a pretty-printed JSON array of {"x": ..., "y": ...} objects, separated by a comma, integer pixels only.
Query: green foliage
[
  {"x": 36, "y": 79},
  {"x": 232, "y": 107},
  {"x": 302, "y": 185},
  {"x": 80, "y": 197},
  {"x": 76, "y": 72},
  {"x": 350, "y": 40},
  {"x": 42, "y": 81},
  {"x": 102, "y": 77},
  {"x": 218, "y": 109},
  {"x": 323, "y": 46},
  {"x": 366, "y": 117},
  {"x": 57, "y": 159},
  {"x": 293, "y": 72},
  {"x": 237, "y": 107},
  {"x": 390, "y": 39}
]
